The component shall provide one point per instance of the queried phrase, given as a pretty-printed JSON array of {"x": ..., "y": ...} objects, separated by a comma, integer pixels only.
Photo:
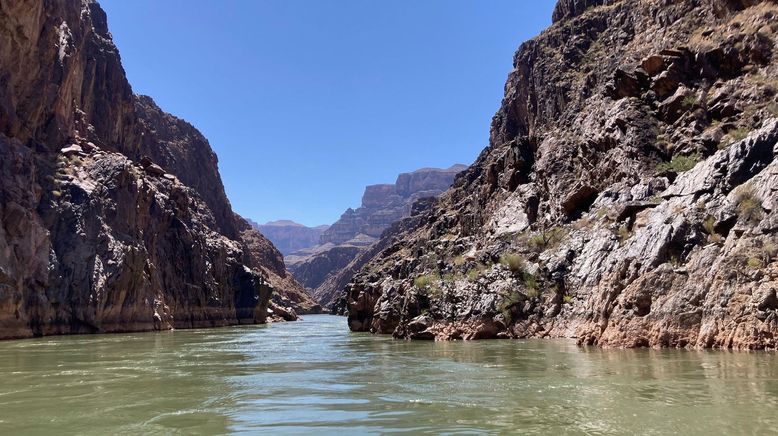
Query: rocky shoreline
[
  {"x": 627, "y": 197},
  {"x": 113, "y": 214}
]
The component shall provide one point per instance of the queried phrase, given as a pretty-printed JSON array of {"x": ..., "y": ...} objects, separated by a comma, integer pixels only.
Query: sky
[{"x": 306, "y": 102}]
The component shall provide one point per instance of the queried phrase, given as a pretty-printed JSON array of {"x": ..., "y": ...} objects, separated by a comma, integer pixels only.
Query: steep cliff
[
  {"x": 290, "y": 298},
  {"x": 289, "y": 236},
  {"x": 384, "y": 204},
  {"x": 326, "y": 267},
  {"x": 113, "y": 216},
  {"x": 627, "y": 196}
]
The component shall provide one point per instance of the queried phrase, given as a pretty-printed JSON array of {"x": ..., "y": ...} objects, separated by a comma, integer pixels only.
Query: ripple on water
[{"x": 314, "y": 376}]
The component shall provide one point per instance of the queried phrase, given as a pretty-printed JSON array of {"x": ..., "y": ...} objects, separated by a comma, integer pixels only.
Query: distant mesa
[
  {"x": 386, "y": 203},
  {"x": 289, "y": 236},
  {"x": 325, "y": 259}
]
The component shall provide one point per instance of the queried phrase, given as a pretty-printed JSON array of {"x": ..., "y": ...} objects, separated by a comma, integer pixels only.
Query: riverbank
[{"x": 313, "y": 375}]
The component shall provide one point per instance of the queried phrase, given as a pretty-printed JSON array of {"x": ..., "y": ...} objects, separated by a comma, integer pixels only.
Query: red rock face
[
  {"x": 113, "y": 215},
  {"x": 627, "y": 197},
  {"x": 384, "y": 204},
  {"x": 290, "y": 236},
  {"x": 326, "y": 268},
  {"x": 566, "y": 9}
]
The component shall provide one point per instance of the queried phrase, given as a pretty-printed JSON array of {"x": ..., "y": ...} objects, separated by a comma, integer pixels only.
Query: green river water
[{"x": 313, "y": 376}]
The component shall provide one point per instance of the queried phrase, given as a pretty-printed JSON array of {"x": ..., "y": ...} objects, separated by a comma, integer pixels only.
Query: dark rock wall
[
  {"x": 384, "y": 204},
  {"x": 289, "y": 236},
  {"x": 112, "y": 214},
  {"x": 625, "y": 199}
]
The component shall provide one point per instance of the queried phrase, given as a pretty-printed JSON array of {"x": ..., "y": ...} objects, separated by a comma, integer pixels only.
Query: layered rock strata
[
  {"x": 627, "y": 197},
  {"x": 113, "y": 216},
  {"x": 289, "y": 236},
  {"x": 326, "y": 267}
]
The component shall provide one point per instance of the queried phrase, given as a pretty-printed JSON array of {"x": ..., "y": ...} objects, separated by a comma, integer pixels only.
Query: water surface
[{"x": 315, "y": 376}]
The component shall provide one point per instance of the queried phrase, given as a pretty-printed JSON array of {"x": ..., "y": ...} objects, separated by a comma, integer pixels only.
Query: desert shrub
[
  {"x": 514, "y": 262},
  {"x": 679, "y": 163},
  {"x": 508, "y": 302},
  {"x": 738, "y": 134},
  {"x": 546, "y": 238},
  {"x": 769, "y": 251},
  {"x": 429, "y": 283},
  {"x": 474, "y": 273},
  {"x": 530, "y": 283},
  {"x": 582, "y": 223},
  {"x": 536, "y": 241},
  {"x": 425, "y": 281},
  {"x": 430, "y": 260},
  {"x": 624, "y": 233},
  {"x": 460, "y": 260},
  {"x": 749, "y": 206},
  {"x": 709, "y": 225},
  {"x": 734, "y": 136},
  {"x": 567, "y": 299},
  {"x": 754, "y": 263},
  {"x": 690, "y": 101}
]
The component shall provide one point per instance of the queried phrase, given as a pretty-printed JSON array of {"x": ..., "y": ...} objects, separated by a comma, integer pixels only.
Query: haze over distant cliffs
[
  {"x": 329, "y": 259},
  {"x": 386, "y": 203},
  {"x": 627, "y": 197},
  {"x": 289, "y": 236},
  {"x": 113, "y": 214}
]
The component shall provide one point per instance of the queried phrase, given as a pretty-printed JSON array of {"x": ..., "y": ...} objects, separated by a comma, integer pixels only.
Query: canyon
[
  {"x": 627, "y": 197},
  {"x": 113, "y": 215},
  {"x": 623, "y": 211},
  {"x": 289, "y": 236},
  {"x": 325, "y": 267}
]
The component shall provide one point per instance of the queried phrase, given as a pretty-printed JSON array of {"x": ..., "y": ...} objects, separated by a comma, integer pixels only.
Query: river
[{"x": 315, "y": 376}]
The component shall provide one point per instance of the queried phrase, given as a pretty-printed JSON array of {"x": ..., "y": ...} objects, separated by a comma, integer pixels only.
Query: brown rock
[
  {"x": 94, "y": 244},
  {"x": 644, "y": 260},
  {"x": 653, "y": 65},
  {"x": 155, "y": 170}
]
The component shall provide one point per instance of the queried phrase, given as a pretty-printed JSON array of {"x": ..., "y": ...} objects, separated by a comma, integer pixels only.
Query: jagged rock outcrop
[
  {"x": 112, "y": 213},
  {"x": 291, "y": 297},
  {"x": 289, "y": 236},
  {"x": 566, "y": 9},
  {"x": 382, "y": 205},
  {"x": 627, "y": 197},
  {"x": 312, "y": 272},
  {"x": 325, "y": 268}
]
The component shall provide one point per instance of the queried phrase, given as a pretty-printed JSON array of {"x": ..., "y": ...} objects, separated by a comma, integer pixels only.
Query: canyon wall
[
  {"x": 113, "y": 215},
  {"x": 384, "y": 204},
  {"x": 289, "y": 236},
  {"x": 627, "y": 196},
  {"x": 326, "y": 267}
]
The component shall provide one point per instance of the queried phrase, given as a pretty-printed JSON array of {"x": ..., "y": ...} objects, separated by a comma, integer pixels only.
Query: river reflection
[{"x": 315, "y": 376}]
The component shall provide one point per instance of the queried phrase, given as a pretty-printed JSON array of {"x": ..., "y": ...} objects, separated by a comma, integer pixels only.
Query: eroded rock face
[
  {"x": 289, "y": 236},
  {"x": 327, "y": 267},
  {"x": 566, "y": 9},
  {"x": 113, "y": 215},
  {"x": 290, "y": 298},
  {"x": 627, "y": 197},
  {"x": 382, "y": 205}
]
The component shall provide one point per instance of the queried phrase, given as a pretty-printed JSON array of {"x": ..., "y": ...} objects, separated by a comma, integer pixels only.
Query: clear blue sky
[{"x": 307, "y": 102}]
